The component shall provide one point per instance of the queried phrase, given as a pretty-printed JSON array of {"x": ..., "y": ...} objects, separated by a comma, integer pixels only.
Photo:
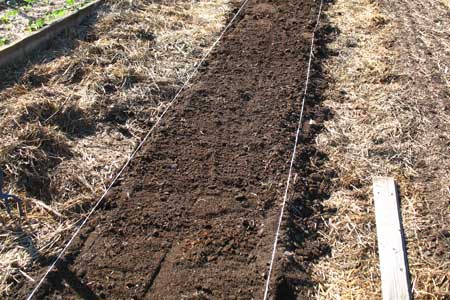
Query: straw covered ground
[
  {"x": 70, "y": 118},
  {"x": 20, "y": 18},
  {"x": 207, "y": 188},
  {"x": 390, "y": 93}
]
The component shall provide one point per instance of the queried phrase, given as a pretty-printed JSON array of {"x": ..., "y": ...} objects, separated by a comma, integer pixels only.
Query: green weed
[
  {"x": 3, "y": 41},
  {"x": 36, "y": 24},
  {"x": 4, "y": 20},
  {"x": 58, "y": 13}
]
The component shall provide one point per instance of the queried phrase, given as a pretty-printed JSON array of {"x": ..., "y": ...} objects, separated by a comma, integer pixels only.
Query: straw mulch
[{"x": 390, "y": 94}]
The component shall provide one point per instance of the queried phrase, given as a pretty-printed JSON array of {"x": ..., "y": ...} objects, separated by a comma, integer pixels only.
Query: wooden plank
[
  {"x": 391, "y": 246},
  {"x": 21, "y": 49}
]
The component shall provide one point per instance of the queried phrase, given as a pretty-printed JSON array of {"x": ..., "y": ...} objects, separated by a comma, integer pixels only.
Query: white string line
[
  {"x": 133, "y": 154},
  {"x": 299, "y": 127}
]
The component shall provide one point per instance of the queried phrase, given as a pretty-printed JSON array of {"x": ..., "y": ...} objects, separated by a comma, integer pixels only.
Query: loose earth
[{"x": 194, "y": 216}]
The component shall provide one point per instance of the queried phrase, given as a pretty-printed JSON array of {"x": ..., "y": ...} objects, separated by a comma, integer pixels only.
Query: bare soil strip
[{"x": 194, "y": 217}]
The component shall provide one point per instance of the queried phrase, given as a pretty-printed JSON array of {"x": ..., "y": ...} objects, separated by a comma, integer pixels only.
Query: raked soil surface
[{"x": 194, "y": 215}]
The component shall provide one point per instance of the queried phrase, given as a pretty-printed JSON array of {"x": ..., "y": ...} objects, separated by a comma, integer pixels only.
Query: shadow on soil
[
  {"x": 404, "y": 241},
  {"x": 303, "y": 246},
  {"x": 64, "y": 275}
]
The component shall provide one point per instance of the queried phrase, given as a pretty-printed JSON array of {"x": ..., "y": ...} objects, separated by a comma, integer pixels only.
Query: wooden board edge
[
  {"x": 394, "y": 269},
  {"x": 24, "y": 47}
]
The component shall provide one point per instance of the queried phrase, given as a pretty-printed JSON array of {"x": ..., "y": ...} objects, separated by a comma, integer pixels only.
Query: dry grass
[
  {"x": 70, "y": 121},
  {"x": 446, "y": 2},
  {"x": 392, "y": 118},
  {"x": 17, "y": 16}
]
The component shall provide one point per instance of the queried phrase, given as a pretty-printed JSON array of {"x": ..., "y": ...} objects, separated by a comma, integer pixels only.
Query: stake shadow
[
  {"x": 63, "y": 274},
  {"x": 404, "y": 243}
]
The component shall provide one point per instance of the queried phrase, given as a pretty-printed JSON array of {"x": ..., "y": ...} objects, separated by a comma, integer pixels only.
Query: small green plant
[
  {"x": 12, "y": 13},
  {"x": 70, "y": 2},
  {"x": 3, "y": 41},
  {"x": 4, "y": 19},
  {"x": 36, "y": 24},
  {"x": 58, "y": 13}
]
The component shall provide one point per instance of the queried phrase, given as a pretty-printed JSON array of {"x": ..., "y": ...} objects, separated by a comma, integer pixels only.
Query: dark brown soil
[{"x": 194, "y": 216}]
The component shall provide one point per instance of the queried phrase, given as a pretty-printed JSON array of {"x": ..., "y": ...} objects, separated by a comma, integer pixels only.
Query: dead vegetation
[
  {"x": 390, "y": 94},
  {"x": 71, "y": 118},
  {"x": 20, "y": 18}
]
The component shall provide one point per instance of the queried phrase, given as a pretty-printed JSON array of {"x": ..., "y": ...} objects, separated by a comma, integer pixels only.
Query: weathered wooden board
[
  {"x": 21, "y": 49},
  {"x": 391, "y": 245}
]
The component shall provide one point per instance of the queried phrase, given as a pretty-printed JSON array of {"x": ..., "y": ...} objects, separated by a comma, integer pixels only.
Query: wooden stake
[{"x": 391, "y": 245}]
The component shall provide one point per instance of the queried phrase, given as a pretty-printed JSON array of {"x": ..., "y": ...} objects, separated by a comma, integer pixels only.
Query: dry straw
[{"x": 390, "y": 95}]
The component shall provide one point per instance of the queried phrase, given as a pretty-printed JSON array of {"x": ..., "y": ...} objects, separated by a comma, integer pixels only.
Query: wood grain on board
[{"x": 391, "y": 246}]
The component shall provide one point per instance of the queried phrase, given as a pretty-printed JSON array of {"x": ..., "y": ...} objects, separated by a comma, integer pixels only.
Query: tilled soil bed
[{"x": 194, "y": 216}]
